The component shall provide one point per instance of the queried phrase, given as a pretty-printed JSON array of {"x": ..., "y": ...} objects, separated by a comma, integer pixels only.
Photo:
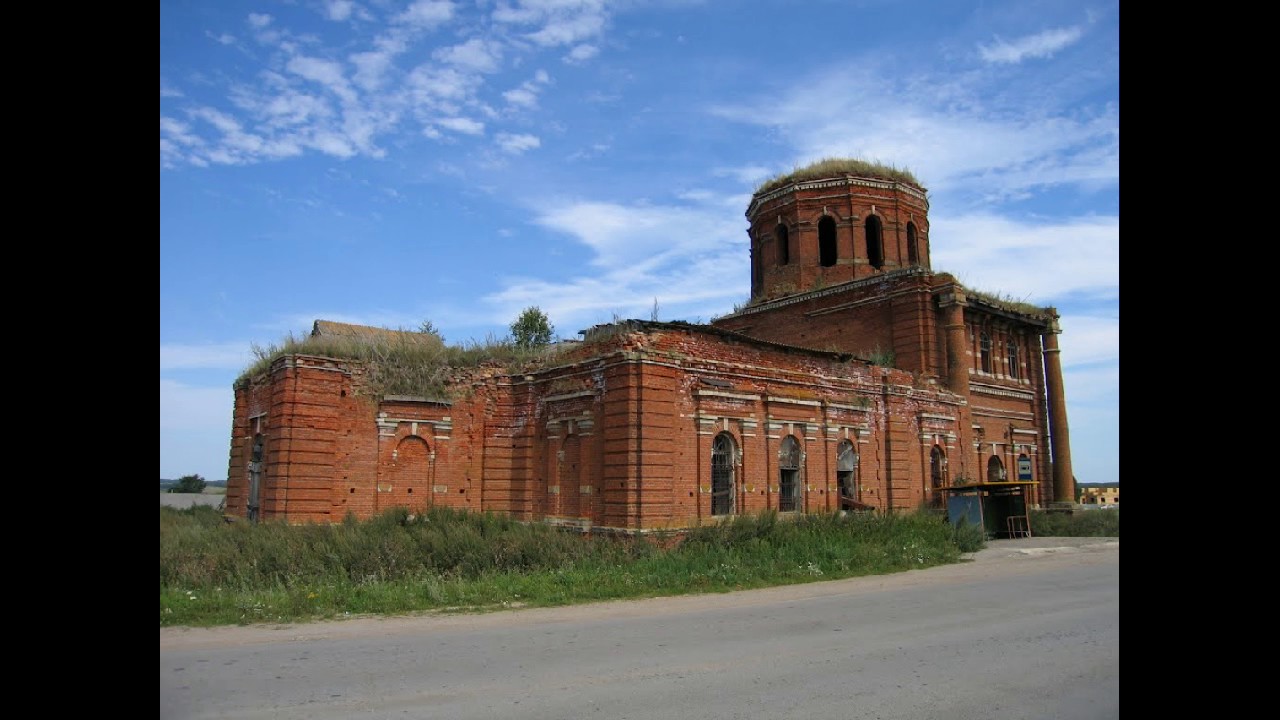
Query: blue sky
[{"x": 387, "y": 163}]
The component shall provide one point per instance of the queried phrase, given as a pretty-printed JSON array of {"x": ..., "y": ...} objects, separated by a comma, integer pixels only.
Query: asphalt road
[{"x": 1030, "y": 628}]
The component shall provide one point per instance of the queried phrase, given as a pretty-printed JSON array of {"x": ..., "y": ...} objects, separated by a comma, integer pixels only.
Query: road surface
[{"x": 1029, "y": 628}]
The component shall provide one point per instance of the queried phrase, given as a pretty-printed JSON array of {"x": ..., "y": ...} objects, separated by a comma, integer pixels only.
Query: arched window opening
[
  {"x": 722, "y": 456},
  {"x": 847, "y": 475},
  {"x": 784, "y": 244},
  {"x": 1012, "y": 350},
  {"x": 756, "y": 278},
  {"x": 913, "y": 252},
  {"x": 789, "y": 475},
  {"x": 995, "y": 470},
  {"x": 937, "y": 473},
  {"x": 984, "y": 346},
  {"x": 827, "y": 241},
  {"x": 255, "y": 476},
  {"x": 875, "y": 242}
]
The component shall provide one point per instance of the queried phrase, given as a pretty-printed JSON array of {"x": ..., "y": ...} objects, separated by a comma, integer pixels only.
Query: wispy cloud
[
  {"x": 526, "y": 96},
  {"x": 960, "y": 135},
  {"x": 517, "y": 143},
  {"x": 462, "y": 125},
  {"x": 1040, "y": 45},
  {"x": 1041, "y": 263},
  {"x": 556, "y": 22},
  {"x": 426, "y": 14},
  {"x": 483, "y": 56},
  {"x": 338, "y": 10}
]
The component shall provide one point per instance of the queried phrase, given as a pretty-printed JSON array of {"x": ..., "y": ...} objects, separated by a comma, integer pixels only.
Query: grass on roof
[
  {"x": 406, "y": 363},
  {"x": 1007, "y": 302},
  {"x": 838, "y": 167}
]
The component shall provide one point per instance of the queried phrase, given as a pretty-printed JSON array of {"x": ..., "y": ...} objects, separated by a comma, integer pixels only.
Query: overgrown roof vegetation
[
  {"x": 1007, "y": 302},
  {"x": 838, "y": 167},
  {"x": 406, "y": 362}
]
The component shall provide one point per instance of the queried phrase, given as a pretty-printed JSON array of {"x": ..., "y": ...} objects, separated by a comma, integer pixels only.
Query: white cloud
[
  {"x": 558, "y": 22},
  {"x": 522, "y": 97},
  {"x": 1040, "y": 45},
  {"x": 324, "y": 72},
  {"x": 581, "y": 53},
  {"x": 516, "y": 144},
  {"x": 477, "y": 55},
  {"x": 526, "y": 96},
  {"x": 167, "y": 90},
  {"x": 426, "y": 14},
  {"x": 465, "y": 126},
  {"x": 942, "y": 130},
  {"x": 259, "y": 21},
  {"x": 1040, "y": 263},
  {"x": 224, "y": 38},
  {"x": 338, "y": 10}
]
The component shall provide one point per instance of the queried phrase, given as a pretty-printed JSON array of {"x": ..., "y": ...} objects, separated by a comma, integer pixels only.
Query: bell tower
[{"x": 832, "y": 222}]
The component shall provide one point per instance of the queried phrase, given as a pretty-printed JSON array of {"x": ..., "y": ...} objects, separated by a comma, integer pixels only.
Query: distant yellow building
[{"x": 1101, "y": 496}]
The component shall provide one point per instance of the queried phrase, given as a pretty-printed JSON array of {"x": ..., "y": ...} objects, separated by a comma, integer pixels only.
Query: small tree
[
  {"x": 189, "y": 484},
  {"x": 532, "y": 329}
]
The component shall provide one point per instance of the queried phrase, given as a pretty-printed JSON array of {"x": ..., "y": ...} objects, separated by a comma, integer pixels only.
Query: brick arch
[
  {"x": 410, "y": 471},
  {"x": 724, "y": 460},
  {"x": 874, "y": 231},
  {"x": 828, "y": 253}
]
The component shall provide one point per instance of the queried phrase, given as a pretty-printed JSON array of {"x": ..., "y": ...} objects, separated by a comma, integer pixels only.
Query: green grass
[
  {"x": 838, "y": 167},
  {"x": 1084, "y": 523},
  {"x": 216, "y": 573},
  {"x": 403, "y": 362}
]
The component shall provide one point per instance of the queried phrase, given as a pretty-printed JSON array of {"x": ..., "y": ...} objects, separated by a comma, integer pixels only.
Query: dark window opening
[
  {"x": 847, "y": 475},
  {"x": 1014, "y": 371},
  {"x": 789, "y": 475},
  {"x": 985, "y": 350},
  {"x": 913, "y": 252},
  {"x": 722, "y": 475},
  {"x": 827, "y": 241},
  {"x": 784, "y": 244},
  {"x": 755, "y": 271},
  {"x": 937, "y": 473},
  {"x": 995, "y": 470},
  {"x": 875, "y": 242}
]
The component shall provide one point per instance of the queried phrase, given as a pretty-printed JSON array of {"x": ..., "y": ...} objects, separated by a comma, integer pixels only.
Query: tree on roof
[{"x": 532, "y": 328}]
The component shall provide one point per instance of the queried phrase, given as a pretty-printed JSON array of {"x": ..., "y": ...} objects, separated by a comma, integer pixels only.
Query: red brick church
[{"x": 857, "y": 377}]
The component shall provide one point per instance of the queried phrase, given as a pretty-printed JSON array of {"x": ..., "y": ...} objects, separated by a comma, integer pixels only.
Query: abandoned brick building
[{"x": 857, "y": 377}]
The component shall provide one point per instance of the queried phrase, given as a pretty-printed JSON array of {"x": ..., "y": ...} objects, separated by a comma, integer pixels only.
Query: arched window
[
  {"x": 755, "y": 269},
  {"x": 913, "y": 252},
  {"x": 784, "y": 244},
  {"x": 789, "y": 475},
  {"x": 1011, "y": 349},
  {"x": 984, "y": 346},
  {"x": 847, "y": 474},
  {"x": 827, "y": 241},
  {"x": 995, "y": 470},
  {"x": 255, "y": 476},
  {"x": 937, "y": 473},
  {"x": 722, "y": 456},
  {"x": 875, "y": 242}
]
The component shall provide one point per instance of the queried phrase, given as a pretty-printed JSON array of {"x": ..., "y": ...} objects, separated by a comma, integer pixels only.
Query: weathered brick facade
[{"x": 647, "y": 425}]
